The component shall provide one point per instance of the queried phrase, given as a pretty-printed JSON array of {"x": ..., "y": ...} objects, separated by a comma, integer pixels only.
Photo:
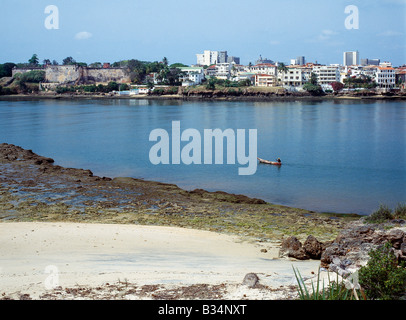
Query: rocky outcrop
[
  {"x": 293, "y": 248},
  {"x": 228, "y": 197},
  {"x": 353, "y": 244},
  {"x": 349, "y": 250},
  {"x": 10, "y": 152}
]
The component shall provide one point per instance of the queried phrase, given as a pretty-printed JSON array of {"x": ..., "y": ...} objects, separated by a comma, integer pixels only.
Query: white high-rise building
[
  {"x": 351, "y": 58},
  {"x": 207, "y": 58}
]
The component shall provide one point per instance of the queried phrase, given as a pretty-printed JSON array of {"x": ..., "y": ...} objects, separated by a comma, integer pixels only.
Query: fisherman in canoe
[{"x": 278, "y": 162}]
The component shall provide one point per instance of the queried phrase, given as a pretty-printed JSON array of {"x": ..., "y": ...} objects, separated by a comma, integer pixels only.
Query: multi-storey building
[
  {"x": 351, "y": 58},
  {"x": 295, "y": 76},
  {"x": 265, "y": 80},
  {"x": 385, "y": 77},
  {"x": 192, "y": 76},
  {"x": 223, "y": 70},
  {"x": 326, "y": 74},
  {"x": 370, "y": 62},
  {"x": 264, "y": 68},
  {"x": 209, "y": 57}
]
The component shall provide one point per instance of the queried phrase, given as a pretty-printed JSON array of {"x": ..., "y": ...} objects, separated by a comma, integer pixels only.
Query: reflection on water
[{"x": 345, "y": 156}]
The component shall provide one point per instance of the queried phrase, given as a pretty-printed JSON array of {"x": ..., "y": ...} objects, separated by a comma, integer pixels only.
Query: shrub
[
  {"x": 211, "y": 84},
  {"x": 123, "y": 87},
  {"x": 111, "y": 86},
  {"x": 64, "y": 89},
  {"x": 90, "y": 88},
  {"x": 33, "y": 76},
  {"x": 381, "y": 215},
  {"x": 400, "y": 211},
  {"x": 382, "y": 277},
  {"x": 172, "y": 90},
  {"x": 158, "y": 91},
  {"x": 314, "y": 90}
]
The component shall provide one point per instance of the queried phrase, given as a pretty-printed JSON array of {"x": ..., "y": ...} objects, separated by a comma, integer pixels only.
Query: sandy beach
[{"x": 37, "y": 257}]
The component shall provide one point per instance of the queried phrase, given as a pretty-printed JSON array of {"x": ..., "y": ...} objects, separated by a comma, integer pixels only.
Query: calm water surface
[{"x": 338, "y": 156}]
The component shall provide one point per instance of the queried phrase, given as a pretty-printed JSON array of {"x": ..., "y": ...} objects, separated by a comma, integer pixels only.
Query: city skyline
[{"x": 99, "y": 31}]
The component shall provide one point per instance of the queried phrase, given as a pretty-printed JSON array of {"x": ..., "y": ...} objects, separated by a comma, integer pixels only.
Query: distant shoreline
[{"x": 254, "y": 98}]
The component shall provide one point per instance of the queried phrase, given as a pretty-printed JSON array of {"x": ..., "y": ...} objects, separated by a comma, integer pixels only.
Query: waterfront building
[
  {"x": 264, "y": 68},
  {"x": 385, "y": 77},
  {"x": 265, "y": 80},
  {"x": 192, "y": 76},
  {"x": 326, "y": 74},
  {"x": 223, "y": 71},
  {"x": 295, "y": 76}
]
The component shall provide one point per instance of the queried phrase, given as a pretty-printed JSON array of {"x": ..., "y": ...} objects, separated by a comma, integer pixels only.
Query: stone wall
[
  {"x": 98, "y": 75},
  {"x": 62, "y": 74},
  {"x": 73, "y": 74}
]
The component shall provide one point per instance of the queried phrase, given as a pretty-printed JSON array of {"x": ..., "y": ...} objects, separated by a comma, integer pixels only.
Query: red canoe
[{"x": 275, "y": 163}]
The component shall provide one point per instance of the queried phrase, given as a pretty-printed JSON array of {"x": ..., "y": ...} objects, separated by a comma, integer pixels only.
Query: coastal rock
[
  {"x": 10, "y": 152},
  {"x": 396, "y": 237},
  {"x": 331, "y": 252},
  {"x": 313, "y": 247},
  {"x": 250, "y": 280},
  {"x": 292, "y": 248},
  {"x": 403, "y": 248},
  {"x": 228, "y": 197},
  {"x": 355, "y": 243}
]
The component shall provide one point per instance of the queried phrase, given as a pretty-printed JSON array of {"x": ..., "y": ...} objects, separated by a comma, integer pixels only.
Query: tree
[
  {"x": 6, "y": 69},
  {"x": 313, "y": 79},
  {"x": 150, "y": 85},
  {"x": 211, "y": 84},
  {"x": 96, "y": 65},
  {"x": 314, "y": 90},
  {"x": 178, "y": 65},
  {"x": 55, "y": 63},
  {"x": 282, "y": 68},
  {"x": 124, "y": 87},
  {"x": 46, "y": 62},
  {"x": 34, "y": 60},
  {"x": 112, "y": 86},
  {"x": 68, "y": 61},
  {"x": 165, "y": 61},
  {"x": 245, "y": 83}
]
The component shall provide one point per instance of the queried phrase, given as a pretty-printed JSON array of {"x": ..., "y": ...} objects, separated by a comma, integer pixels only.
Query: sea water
[{"x": 345, "y": 156}]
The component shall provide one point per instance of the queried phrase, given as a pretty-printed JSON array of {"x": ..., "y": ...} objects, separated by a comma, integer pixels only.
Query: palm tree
[{"x": 282, "y": 68}]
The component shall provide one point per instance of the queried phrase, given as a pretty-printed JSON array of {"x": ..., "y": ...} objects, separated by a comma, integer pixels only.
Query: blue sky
[{"x": 107, "y": 31}]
